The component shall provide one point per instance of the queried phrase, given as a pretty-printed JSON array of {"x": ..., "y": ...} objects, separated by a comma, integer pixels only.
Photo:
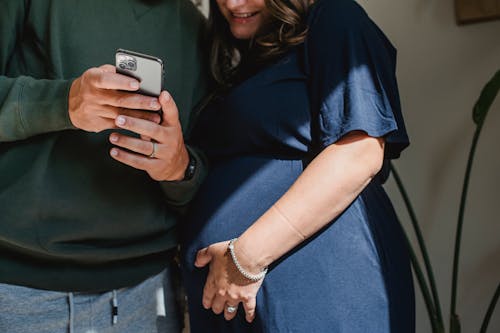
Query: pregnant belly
[{"x": 235, "y": 194}]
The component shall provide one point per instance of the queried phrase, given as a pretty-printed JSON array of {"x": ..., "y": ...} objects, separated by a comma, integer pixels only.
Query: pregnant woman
[{"x": 292, "y": 230}]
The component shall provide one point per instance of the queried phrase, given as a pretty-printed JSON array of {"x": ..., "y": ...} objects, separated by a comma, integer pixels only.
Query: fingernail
[
  {"x": 114, "y": 152},
  {"x": 166, "y": 95},
  {"x": 113, "y": 138},
  {"x": 120, "y": 121},
  {"x": 154, "y": 104},
  {"x": 134, "y": 85},
  {"x": 156, "y": 118}
]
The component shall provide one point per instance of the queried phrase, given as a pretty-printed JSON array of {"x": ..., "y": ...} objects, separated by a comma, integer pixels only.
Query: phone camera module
[{"x": 127, "y": 62}]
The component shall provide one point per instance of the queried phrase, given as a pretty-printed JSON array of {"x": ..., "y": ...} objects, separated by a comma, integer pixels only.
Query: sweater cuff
[
  {"x": 44, "y": 106},
  {"x": 180, "y": 193}
]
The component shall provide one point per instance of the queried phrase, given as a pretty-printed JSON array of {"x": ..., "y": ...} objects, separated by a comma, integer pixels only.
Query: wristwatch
[{"x": 191, "y": 168}]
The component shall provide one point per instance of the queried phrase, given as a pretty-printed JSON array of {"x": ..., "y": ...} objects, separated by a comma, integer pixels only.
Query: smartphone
[{"x": 148, "y": 70}]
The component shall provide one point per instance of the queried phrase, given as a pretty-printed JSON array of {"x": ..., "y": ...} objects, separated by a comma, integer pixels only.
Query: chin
[{"x": 242, "y": 34}]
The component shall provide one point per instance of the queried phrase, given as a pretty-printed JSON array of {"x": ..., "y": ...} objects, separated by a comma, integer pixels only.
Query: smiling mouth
[{"x": 243, "y": 15}]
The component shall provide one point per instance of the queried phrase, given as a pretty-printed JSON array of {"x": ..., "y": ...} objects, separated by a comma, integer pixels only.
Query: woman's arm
[{"x": 326, "y": 187}]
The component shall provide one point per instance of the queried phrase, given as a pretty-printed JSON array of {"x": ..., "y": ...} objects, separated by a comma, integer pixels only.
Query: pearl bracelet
[{"x": 249, "y": 276}]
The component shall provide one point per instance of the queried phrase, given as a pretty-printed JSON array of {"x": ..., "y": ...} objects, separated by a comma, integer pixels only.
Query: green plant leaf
[
  {"x": 431, "y": 301},
  {"x": 491, "y": 308},
  {"x": 455, "y": 324},
  {"x": 486, "y": 99},
  {"x": 480, "y": 111}
]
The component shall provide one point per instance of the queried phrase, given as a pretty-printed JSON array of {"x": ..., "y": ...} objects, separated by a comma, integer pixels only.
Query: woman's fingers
[
  {"x": 208, "y": 294},
  {"x": 203, "y": 257},
  {"x": 249, "y": 307},
  {"x": 230, "y": 310},
  {"x": 221, "y": 293},
  {"x": 218, "y": 304}
]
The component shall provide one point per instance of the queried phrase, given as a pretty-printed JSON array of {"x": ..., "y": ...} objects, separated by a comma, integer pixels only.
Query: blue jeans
[{"x": 148, "y": 307}]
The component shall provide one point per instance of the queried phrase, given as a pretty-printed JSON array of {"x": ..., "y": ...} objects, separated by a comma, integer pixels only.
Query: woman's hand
[
  {"x": 225, "y": 286},
  {"x": 160, "y": 151}
]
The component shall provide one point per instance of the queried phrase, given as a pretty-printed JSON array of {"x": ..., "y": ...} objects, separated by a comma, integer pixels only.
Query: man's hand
[
  {"x": 160, "y": 151},
  {"x": 100, "y": 95}
]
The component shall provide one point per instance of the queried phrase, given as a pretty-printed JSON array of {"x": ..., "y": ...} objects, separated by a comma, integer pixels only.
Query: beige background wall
[{"x": 442, "y": 68}]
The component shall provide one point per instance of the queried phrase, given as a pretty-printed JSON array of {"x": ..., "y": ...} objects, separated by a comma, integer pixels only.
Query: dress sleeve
[{"x": 351, "y": 70}]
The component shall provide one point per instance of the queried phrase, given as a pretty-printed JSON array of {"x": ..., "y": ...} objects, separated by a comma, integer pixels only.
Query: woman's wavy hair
[{"x": 287, "y": 28}]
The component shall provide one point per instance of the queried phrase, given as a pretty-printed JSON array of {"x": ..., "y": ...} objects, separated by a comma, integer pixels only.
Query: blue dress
[{"x": 354, "y": 275}]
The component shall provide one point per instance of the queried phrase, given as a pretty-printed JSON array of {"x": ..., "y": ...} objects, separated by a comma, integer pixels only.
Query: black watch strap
[{"x": 191, "y": 168}]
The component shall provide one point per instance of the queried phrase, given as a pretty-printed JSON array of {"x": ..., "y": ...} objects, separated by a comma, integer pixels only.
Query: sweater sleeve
[
  {"x": 28, "y": 106},
  {"x": 180, "y": 193}
]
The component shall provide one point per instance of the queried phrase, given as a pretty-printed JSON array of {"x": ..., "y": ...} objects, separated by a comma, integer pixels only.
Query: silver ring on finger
[
  {"x": 231, "y": 309},
  {"x": 153, "y": 153}
]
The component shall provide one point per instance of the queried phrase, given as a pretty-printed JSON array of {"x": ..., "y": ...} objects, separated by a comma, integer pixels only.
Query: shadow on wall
[{"x": 425, "y": 278}]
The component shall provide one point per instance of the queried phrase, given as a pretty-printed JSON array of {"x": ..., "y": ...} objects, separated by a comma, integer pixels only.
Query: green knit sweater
[{"x": 71, "y": 217}]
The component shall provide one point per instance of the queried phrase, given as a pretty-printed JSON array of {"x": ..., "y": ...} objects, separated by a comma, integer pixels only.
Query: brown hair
[{"x": 286, "y": 29}]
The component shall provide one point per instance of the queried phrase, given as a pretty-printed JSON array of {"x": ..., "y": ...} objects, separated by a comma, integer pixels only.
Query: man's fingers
[
  {"x": 102, "y": 124},
  {"x": 170, "y": 111},
  {"x": 145, "y": 115},
  {"x": 249, "y": 307},
  {"x": 136, "y": 145},
  {"x": 103, "y": 79},
  {"x": 134, "y": 160},
  {"x": 142, "y": 127},
  {"x": 108, "y": 68},
  {"x": 111, "y": 112},
  {"x": 129, "y": 100}
]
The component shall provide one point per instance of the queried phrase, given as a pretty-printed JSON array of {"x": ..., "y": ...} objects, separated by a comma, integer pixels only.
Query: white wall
[{"x": 442, "y": 68}]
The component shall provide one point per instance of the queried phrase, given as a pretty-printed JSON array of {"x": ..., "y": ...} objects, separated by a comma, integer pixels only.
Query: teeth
[{"x": 242, "y": 15}]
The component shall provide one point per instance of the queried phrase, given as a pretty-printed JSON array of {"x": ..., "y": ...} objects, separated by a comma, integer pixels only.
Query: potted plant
[{"x": 425, "y": 277}]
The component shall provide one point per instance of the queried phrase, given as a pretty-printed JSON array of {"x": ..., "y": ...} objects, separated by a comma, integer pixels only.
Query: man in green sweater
[{"x": 86, "y": 241}]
